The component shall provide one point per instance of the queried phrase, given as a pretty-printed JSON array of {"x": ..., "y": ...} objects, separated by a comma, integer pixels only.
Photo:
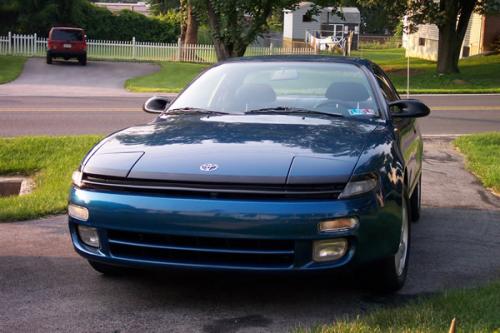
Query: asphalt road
[
  {"x": 37, "y": 115},
  {"x": 45, "y": 286},
  {"x": 67, "y": 99}
]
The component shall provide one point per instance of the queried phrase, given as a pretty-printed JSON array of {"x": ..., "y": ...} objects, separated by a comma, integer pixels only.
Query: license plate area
[{"x": 67, "y": 46}]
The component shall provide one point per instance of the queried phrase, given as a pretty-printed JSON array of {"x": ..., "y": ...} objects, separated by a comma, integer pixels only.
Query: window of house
[
  {"x": 421, "y": 42},
  {"x": 307, "y": 17}
]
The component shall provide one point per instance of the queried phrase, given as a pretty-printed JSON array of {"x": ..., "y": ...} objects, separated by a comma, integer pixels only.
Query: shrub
[{"x": 99, "y": 23}]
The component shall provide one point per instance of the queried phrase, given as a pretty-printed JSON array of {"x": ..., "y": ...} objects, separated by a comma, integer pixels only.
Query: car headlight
[
  {"x": 359, "y": 185},
  {"x": 76, "y": 178}
]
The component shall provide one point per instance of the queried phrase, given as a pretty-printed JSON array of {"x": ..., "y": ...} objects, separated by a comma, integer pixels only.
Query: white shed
[{"x": 327, "y": 23}]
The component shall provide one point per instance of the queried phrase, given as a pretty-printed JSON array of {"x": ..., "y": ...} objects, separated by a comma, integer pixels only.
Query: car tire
[
  {"x": 391, "y": 272},
  {"x": 49, "y": 60},
  {"x": 83, "y": 60},
  {"x": 106, "y": 269},
  {"x": 416, "y": 201}
]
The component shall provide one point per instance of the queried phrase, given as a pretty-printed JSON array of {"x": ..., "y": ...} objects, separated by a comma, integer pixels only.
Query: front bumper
[{"x": 274, "y": 235}]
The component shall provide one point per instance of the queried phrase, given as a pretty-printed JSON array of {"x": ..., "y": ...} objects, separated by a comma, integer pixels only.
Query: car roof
[
  {"x": 66, "y": 28},
  {"x": 305, "y": 58}
]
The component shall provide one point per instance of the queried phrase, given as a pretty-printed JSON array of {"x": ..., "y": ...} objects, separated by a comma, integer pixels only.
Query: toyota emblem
[{"x": 209, "y": 167}]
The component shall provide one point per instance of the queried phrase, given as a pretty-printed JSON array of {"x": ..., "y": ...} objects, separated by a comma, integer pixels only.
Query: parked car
[
  {"x": 267, "y": 164},
  {"x": 67, "y": 43}
]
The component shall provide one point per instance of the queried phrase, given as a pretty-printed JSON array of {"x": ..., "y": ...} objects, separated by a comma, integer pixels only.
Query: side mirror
[
  {"x": 408, "y": 108},
  {"x": 156, "y": 104}
]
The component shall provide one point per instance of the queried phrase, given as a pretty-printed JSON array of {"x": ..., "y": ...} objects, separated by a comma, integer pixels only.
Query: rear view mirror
[
  {"x": 156, "y": 104},
  {"x": 285, "y": 74},
  {"x": 408, "y": 108}
]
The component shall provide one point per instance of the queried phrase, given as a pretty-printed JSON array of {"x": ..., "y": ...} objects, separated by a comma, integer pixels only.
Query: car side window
[{"x": 386, "y": 86}]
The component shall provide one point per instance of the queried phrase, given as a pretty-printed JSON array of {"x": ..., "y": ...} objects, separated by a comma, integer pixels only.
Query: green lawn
[
  {"x": 482, "y": 152},
  {"x": 10, "y": 67},
  {"x": 476, "y": 310},
  {"x": 172, "y": 77},
  {"x": 479, "y": 74},
  {"x": 51, "y": 160}
]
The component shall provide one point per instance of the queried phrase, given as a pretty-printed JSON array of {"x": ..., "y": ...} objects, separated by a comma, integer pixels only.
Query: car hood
[{"x": 267, "y": 149}]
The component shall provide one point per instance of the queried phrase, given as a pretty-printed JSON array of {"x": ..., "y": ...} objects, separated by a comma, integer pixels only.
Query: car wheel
[
  {"x": 106, "y": 269},
  {"x": 83, "y": 60},
  {"x": 392, "y": 271},
  {"x": 49, "y": 60}
]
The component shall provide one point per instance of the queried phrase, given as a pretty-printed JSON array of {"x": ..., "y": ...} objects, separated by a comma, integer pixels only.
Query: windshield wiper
[
  {"x": 286, "y": 109},
  {"x": 191, "y": 110}
]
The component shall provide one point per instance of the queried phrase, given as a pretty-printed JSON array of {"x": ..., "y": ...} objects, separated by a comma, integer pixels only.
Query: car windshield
[
  {"x": 67, "y": 35},
  {"x": 282, "y": 87}
]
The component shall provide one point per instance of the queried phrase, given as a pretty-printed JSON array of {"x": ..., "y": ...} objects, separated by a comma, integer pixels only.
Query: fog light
[
  {"x": 328, "y": 250},
  {"x": 88, "y": 235},
  {"x": 341, "y": 224},
  {"x": 78, "y": 212}
]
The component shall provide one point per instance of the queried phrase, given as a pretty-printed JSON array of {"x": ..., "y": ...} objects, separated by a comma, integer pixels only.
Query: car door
[{"x": 406, "y": 132}]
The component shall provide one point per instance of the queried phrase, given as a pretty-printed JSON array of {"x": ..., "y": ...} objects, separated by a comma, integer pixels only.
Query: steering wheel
[{"x": 333, "y": 104}]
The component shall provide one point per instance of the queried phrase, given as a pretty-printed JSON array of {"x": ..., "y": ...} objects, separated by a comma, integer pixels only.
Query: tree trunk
[
  {"x": 452, "y": 33},
  {"x": 192, "y": 27},
  {"x": 183, "y": 11},
  {"x": 221, "y": 49},
  {"x": 448, "y": 51}
]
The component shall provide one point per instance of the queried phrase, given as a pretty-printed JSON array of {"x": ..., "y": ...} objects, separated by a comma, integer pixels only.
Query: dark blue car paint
[{"x": 391, "y": 148}]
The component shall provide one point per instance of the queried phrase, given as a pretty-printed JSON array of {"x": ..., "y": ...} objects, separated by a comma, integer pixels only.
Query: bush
[{"x": 99, "y": 23}]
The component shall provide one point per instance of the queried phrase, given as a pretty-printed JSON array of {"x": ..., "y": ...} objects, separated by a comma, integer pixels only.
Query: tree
[
  {"x": 451, "y": 17},
  {"x": 234, "y": 24},
  {"x": 189, "y": 23},
  {"x": 161, "y": 7}
]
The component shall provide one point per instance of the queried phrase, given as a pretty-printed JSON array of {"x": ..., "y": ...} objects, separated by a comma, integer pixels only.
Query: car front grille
[
  {"x": 202, "y": 251},
  {"x": 215, "y": 190}
]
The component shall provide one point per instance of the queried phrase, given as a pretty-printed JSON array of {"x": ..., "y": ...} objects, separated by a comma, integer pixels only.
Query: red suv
[{"x": 67, "y": 43}]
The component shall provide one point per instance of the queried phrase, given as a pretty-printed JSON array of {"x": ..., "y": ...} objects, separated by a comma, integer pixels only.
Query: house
[
  {"x": 139, "y": 7},
  {"x": 481, "y": 33},
  {"x": 297, "y": 23}
]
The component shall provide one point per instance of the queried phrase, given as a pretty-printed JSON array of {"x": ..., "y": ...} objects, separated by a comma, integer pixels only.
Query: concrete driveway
[
  {"x": 45, "y": 286},
  {"x": 69, "y": 79}
]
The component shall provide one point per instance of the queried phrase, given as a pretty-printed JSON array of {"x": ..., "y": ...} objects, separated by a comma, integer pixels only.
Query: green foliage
[
  {"x": 390, "y": 43},
  {"x": 172, "y": 78},
  {"x": 234, "y": 24},
  {"x": 101, "y": 24},
  {"x": 479, "y": 74},
  {"x": 10, "y": 67},
  {"x": 482, "y": 152},
  {"x": 161, "y": 7},
  {"x": 51, "y": 161},
  {"x": 475, "y": 310},
  {"x": 39, "y": 16}
]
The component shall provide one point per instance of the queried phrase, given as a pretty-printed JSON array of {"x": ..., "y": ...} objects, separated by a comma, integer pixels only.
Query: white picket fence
[{"x": 32, "y": 45}]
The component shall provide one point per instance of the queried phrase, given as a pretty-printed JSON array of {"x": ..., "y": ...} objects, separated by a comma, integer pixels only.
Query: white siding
[
  {"x": 300, "y": 27},
  {"x": 288, "y": 25},
  {"x": 430, "y": 33}
]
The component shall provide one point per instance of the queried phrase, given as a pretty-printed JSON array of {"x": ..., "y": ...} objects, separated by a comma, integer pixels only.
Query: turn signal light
[
  {"x": 341, "y": 224},
  {"x": 78, "y": 212}
]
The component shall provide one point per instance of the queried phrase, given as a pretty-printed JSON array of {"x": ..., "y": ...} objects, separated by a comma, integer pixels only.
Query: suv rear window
[{"x": 71, "y": 35}]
